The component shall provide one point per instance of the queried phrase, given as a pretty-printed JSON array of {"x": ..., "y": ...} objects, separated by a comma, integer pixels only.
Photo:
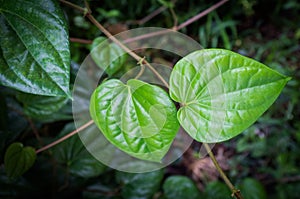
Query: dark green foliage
[
  {"x": 72, "y": 155},
  {"x": 252, "y": 189},
  {"x": 217, "y": 190},
  {"x": 43, "y": 108},
  {"x": 139, "y": 186},
  {"x": 180, "y": 187}
]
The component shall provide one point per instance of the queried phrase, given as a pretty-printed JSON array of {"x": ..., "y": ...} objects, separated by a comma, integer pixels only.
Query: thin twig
[
  {"x": 235, "y": 192},
  {"x": 176, "y": 28},
  {"x": 146, "y": 36},
  {"x": 140, "y": 72},
  {"x": 65, "y": 137},
  {"x": 131, "y": 53},
  {"x": 76, "y": 7},
  {"x": 148, "y": 17},
  {"x": 30, "y": 122},
  {"x": 200, "y": 15},
  {"x": 82, "y": 41},
  {"x": 88, "y": 14},
  {"x": 87, "y": 6},
  {"x": 174, "y": 18},
  {"x": 35, "y": 131},
  {"x": 153, "y": 14}
]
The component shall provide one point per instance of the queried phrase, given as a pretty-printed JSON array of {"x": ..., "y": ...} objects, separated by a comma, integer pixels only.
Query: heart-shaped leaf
[
  {"x": 222, "y": 93},
  {"x": 138, "y": 118},
  {"x": 108, "y": 56},
  {"x": 34, "y": 47},
  {"x": 18, "y": 159}
]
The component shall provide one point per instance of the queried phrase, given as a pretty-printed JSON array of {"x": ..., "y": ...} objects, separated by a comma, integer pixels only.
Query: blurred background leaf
[
  {"x": 180, "y": 187},
  {"x": 252, "y": 189},
  {"x": 141, "y": 185},
  {"x": 18, "y": 159},
  {"x": 73, "y": 156}
]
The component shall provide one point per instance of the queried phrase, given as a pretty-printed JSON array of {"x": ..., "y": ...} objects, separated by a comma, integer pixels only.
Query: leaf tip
[
  {"x": 288, "y": 78},
  {"x": 68, "y": 94},
  {"x": 70, "y": 97}
]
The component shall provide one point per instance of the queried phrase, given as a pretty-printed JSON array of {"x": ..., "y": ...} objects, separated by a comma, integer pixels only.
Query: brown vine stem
[
  {"x": 200, "y": 15},
  {"x": 131, "y": 53},
  {"x": 176, "y": 28},
  {"x": 174, "y": 17},
  {"x": 65, "y": 137},
  {"x": 141, "y": 71},
  {"x": 31, "y": 124},
  {"x": 82, "y": 41},
  {"x": 148, "y": 17},
  {"x": 76, "y": 7},
  {"x": 35, "y": 131},
  {"x": 235, "y": 192},
  {"x": 135, "y": 56}
]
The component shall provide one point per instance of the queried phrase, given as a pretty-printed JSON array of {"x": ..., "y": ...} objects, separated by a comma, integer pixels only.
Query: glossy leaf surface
[
  {"x": 138, "y": 118},
  {"x": 222, "y": 93},
  {"x": 34, "y": 47},
  {"x": 18, "y": 159},
  {"x": 180, "y": 187},
  {"x": 108, "y": 56},
  {"x": 41, "y": 108}
]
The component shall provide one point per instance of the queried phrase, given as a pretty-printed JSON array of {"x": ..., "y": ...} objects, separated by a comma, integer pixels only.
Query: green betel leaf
[
  {"x": 222, "y": 93},
  {"x": 138, "y": 118},
  {"x": 108, "y": 56},
  {"x": 34, "y": 47},
  {"x": 18, "y": 159}
]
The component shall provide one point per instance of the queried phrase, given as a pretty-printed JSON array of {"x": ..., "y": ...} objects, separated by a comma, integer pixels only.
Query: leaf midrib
[
  {"x": 143, "y": 138},
  {"x": 198, "y": 72},
  {"x": 198, "y": 100}
]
